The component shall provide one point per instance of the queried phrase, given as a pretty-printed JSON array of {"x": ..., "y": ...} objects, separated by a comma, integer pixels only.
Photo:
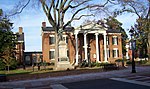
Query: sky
[{"x": 31, "y": 19}]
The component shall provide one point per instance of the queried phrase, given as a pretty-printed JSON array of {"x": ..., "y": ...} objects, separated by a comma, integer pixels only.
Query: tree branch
[
  {"x": 79, "y": 4},
  {"x": 73, "y": 16},
  {"x": 135, "y": 11},
  {"x": 82, "y": 16},
  {"x": 48, "y": 14},
  {"x": 20, "y": 9}
]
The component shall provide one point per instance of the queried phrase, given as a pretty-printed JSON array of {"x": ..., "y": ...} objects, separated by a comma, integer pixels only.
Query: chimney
[
  {"x": 20, "y": 30},
  {"x": 44, "y": 24}
]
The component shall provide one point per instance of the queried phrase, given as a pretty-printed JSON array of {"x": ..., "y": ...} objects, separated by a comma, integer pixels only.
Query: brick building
[
  {"x": 20, "y": 46},
  {"x": 90, "y": 42},
  {"x": 32, "y": 57}
]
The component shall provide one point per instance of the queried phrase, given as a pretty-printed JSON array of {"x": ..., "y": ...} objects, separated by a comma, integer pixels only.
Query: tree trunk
[
  {"x": 56, "y": 47},
  {"x": 8, "y": 68}
]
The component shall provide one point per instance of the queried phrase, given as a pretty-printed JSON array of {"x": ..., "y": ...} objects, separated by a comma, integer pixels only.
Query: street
[
  {"x": 103, "y": 84},
  {"x": 118, "y": 79}
]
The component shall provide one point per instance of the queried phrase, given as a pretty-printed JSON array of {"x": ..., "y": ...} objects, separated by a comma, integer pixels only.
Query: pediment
[{"x": 91, "y": 26}]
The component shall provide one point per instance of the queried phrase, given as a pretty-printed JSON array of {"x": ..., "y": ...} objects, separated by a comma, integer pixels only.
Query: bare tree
[
  {"x": 141, "y": 8},
  {"x": 56, "y": 11}
]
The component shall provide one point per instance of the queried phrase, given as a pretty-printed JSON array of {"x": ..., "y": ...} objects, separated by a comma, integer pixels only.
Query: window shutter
[
  {"x": 49, "y": 54},
  {"x": 118, "y": 53},
  {"x": 66, "y": 39},
  {"x": 113, "y": 40},
  {"x": 113, "y": 53},
  {"x": 117, "y": 40},
  {"x": 49, "y": 40}
]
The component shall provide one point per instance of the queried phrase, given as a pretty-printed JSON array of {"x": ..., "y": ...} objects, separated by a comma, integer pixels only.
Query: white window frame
[
  {"x": 116, "y": 54},
  {"x": 108, "y": 53},
  {"x": 54, "y": 54},
  {"x": 115, "y": 40},
  {"x": 50, "y": 37},
  {"x": 65, "y": 36},
  {"x": 107, "y": 40}
]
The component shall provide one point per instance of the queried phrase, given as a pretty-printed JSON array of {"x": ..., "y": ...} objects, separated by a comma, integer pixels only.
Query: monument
[{"x": 63, "y": 60}]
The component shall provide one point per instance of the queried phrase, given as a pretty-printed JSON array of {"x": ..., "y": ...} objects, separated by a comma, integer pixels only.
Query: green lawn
[{"x": 27, "y": 71}]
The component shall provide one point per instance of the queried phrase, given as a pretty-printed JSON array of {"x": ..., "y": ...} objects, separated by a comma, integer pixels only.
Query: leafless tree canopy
[{"x": 56, "y": 10}]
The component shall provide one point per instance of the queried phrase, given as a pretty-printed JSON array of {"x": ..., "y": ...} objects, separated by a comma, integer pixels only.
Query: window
[
  {"x": 115, "y": 52},
  {"x": 51, "y": 40},
  {"x": 115, "y": 40},
  {"x": 108, "y": 52},
  {"x": 34, "y": 59},
  {"x": 65, "y": 38},
  {"x": 67, "y": 53},
  {"x": 52, "y": 54},
  {"x": 107, "y": 40}
]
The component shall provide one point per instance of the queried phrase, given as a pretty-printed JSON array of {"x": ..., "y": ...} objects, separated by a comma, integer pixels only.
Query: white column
[
  {"x": 85, "y": 47},
  {"x": 105, "y": 49},
  {"x": 97, "y": 47},
  {"x": 127, "y": 50},
  {"x": 76, "y": 37}
]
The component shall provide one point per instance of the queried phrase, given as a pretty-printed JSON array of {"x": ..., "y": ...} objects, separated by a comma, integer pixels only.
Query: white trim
[
  {"x": 48, "y": 32},
  {"x": 115, "y": 48},
  {"x": 52, "y": 50},
  {"x": 64, "y": 35},
  {"x": 21, "y": 41},
  {"x": 108, "y": 53},
  {"x": 116, "y": 55},
  {"x": 114, "y": 36},
  {"x": 115, "y": 40},
  {"x": 51, "y": 35}
]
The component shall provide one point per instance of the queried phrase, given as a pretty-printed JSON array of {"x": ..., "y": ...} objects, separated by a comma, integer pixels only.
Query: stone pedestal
[{"x": 63, "y": 61}]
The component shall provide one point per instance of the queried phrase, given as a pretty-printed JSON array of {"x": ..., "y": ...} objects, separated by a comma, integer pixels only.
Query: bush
[
  {"x": 52, "y": 63},
  {"x": 83, "y": 64},
  {"x": 13, "y": 64},
  {"x": 143, "y": 61},
  {"x": 93, "y": 64},
  {"x": 120, "y": 60},
  {"x": 129, "y": 62},
  {"x": 103, "y": 64}
]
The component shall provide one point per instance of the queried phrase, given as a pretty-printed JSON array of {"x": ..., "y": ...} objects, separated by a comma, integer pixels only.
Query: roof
[
  {"x": 34, "y": 52},
  {"x": 51, "y": 29},
  {"x": 113, "y": 31},
  {"x": 91, "y": 26}
]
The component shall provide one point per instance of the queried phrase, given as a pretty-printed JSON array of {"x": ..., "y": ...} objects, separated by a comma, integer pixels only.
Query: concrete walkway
[{"x": 45, "y": 83}]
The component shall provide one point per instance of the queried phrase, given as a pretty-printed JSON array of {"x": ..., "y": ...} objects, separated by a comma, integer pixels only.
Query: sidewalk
[{"x": 45, "y": 83}]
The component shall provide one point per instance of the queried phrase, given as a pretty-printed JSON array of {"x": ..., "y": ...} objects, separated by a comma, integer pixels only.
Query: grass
[
  {"x": 30, "y": 71},
  {"x": 27, "y": 71}
]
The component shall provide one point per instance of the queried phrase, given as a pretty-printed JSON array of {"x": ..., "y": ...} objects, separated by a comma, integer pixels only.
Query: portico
[{"x": 91, "y": 42}]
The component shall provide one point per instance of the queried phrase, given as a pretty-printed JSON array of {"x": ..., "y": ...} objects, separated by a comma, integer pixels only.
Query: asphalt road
[{"x": 103, "y": 84}]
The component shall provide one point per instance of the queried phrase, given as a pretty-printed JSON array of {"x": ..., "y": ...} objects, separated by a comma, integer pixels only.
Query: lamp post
[{"x": 133, "y": 45}]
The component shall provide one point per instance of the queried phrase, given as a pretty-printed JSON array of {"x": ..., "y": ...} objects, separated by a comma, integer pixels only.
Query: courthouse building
[{"x": 90, "y": 42}]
